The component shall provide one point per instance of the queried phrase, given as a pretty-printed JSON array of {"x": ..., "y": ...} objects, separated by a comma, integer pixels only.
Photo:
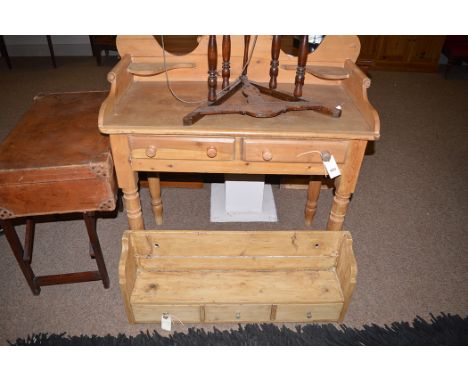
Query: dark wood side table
[{"x": 68, "y": 169}]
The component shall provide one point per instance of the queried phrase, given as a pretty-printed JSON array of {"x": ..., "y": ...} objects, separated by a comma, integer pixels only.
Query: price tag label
[
  {"x": 166, "y": 322},
  {"x": 331, "y": 167}
]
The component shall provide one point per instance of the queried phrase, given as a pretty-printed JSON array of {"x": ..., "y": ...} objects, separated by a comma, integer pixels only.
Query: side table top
[
  {"x": 68, "y": 118},
  {"x": 149, "y": 108}
]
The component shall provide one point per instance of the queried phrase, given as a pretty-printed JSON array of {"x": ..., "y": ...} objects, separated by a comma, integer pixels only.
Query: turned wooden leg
[
  {"x": 246, "y": 54},
  {"x": 226, "y": 72},
  {"x": 274, "y": 64},
  {"x": 313, "y": 193},
  {"x": 338, "y": 210},
  {"x": 212, "y": 63},
  {"x": 156, "y": 202},
  {"x": 346, "y": 184},
  {"x": 17, "y": 248},
  {"x": 131, "y": 198},
  {"x": 301, "y": 65},
  {"x": 127, "y": 180}
]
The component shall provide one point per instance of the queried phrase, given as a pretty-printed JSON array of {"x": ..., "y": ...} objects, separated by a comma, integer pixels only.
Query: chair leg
[
  {"x": 51, "y": 50},
  {"x": 90, "y": 221},
  {"x": 18, "y": 252},
  {"x": 93, "y": 49},
  {"x": 4, "y": 52},
  {"x": 99, "y": 57}
]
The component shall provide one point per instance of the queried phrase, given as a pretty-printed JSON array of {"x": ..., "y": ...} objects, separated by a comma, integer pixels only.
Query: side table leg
[
  {"x": 90, "y": 222},
  {"x": 94, "y": 227},
  {"x": 312, "y": 196},
  {"x": 155, "y": 192},
  {"x": 346, "y": 184},
  {"x": 133, "y": 206},
  {"x": 127, "y": 180},
  {"x": 338, "y": 210},
  {"x": 17, "y": 248}
]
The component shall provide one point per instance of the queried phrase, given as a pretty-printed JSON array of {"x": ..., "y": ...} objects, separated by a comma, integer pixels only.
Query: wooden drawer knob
[
  {"x": 151, "y": 151},
  {"x": 267, "y": 155},
  {"x": 211, "y": 152}
]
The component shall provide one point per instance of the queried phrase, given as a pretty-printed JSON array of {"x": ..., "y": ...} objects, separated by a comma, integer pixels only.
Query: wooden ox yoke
[{"x": 256, "y": 105}]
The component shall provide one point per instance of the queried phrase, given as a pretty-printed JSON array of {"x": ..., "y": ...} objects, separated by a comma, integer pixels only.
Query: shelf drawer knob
[
  {"x": 211, "y": 152},
  {"x": 238, "y": 315},
  {"x": 151, "y": 151},
  {"x": 267, "y": 155},
  {"x": 309, "y": 315}
]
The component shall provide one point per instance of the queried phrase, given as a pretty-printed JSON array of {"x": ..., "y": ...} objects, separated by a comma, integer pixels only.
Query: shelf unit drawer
[
  {"x": 237, "y": 313},
  {"x": 182, "y": 148},
  {"x": 292, "y": 151},
  {"x": 153, "y": 312},
  {"x": 308, "y": 312}
]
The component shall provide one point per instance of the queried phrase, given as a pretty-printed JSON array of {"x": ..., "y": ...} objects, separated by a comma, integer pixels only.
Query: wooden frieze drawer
[
  {"x": 307, "y": 312},
  {"x": 237, "y": 276},
  {"x": 181, "y": 148},
  {"x": 184, "y": 313},
  {"x": 292, "y": 151},
  {"x": 237, "y": 313}
]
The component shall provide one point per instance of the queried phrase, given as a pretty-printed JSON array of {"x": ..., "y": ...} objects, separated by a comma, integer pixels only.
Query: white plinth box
[{"x": 242, "y": 198}]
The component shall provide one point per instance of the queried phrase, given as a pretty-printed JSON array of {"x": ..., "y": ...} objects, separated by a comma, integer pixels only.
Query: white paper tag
[
  {"x": 166, "y": 322},
  {"x": 332, "y": 167}
]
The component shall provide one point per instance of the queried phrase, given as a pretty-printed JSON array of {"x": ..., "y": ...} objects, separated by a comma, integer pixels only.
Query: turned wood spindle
[
  {"x": 246, "y": 54},
  {"x": 154, "y": 184},
  {"x": 301, "y": 64},
  {"x": 212, "y": 63},
  {"x": 226, "y": 73},
  {"x": 313, "y": 193},
  {"x": 275, "y": 51}
]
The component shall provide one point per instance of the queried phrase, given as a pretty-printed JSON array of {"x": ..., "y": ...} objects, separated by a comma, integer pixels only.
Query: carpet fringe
[{"x": 445, "y": 329}]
